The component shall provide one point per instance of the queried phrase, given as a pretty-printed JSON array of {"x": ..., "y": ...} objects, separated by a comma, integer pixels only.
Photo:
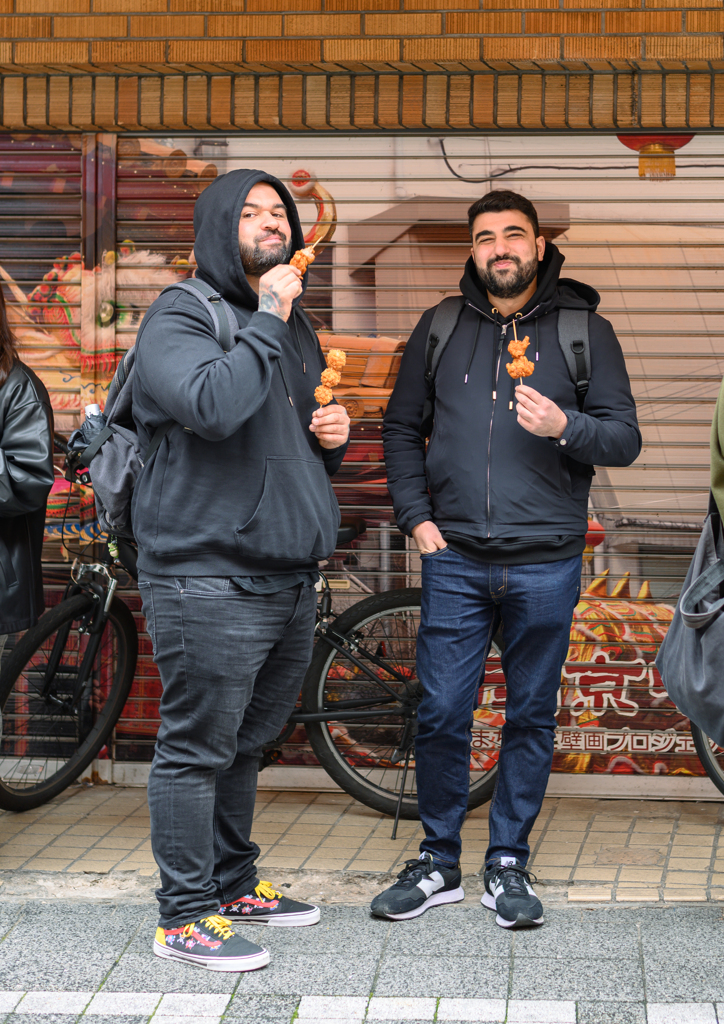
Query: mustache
[
  {"x": 271, "y": 234},
  {"x": 508, "y": 256}
]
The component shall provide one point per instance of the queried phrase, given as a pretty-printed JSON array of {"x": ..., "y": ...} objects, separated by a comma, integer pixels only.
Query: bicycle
[{"x": 64, "y": 685}]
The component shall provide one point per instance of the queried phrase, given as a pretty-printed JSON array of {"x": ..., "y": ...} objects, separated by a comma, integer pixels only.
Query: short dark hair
[{"x": 500, "y": 200}]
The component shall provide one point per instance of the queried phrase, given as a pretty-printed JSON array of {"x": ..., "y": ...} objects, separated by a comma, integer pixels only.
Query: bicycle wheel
[
  {"x": 357, "y": 754},
  {"x": 711, "y": 756},
  {"x": 49, "y": 738}
]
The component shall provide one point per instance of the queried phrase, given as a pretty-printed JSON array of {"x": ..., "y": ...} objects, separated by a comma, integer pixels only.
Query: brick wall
[{"x": 217, "y": 35}]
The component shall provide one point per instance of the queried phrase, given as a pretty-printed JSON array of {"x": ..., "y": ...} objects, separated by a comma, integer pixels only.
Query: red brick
[
  {"x": 200, "y": 51},
  {"x": 304, "y": 50},
  {"x": 90, "y": 27},
  {"x": 25, "y": 28},
  {"x": 643, "y": 21},
  {"x": 501, "y": 48},
  {"x": 127, "y": 52},
  {"x": 322, "y": 25},
  {"x": 52, "y": 6},
  {"x": 129, "y": 6},
  {"x": 51, "y": 53},
  {"x": 602, "y": 47},
  {"x": 167, "y": 26},
  {"x": 361, "y": 49},
  {"x": 403, "y": 24},
  {"x": 445, "y": 48},
  {"x": 469, "y": 22},
  {"x": 705, "y": 21},
  {"x": 369, "y": 5},
  {"x": 284, "y": 6},
  {"x": 562, "y": 23},
  {"x": 241, "y": 26},
  {"x": 684, "y": 47}
]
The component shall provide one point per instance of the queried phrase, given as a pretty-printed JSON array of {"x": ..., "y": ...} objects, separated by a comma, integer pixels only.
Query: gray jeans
[{"x": 231, "y": 665}]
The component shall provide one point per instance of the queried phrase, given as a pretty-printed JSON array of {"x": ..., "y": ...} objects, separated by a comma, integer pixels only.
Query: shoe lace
[
  {"x": 215, "y": 923},
  {"x": 414, "y": 870},
  {"x": 267, "y": 891},
  {"x": 514, "y": 878}
]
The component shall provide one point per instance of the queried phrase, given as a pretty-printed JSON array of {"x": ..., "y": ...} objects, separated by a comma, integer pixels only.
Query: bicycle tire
[
  {"x": 711, "y": 766},
  {"x": 355, "y": 783},
  {"x": 25, "y": 753}
]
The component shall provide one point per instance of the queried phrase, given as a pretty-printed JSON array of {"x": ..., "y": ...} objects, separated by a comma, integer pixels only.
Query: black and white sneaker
[
  {"x": 508, "y": 891},
  {"x": 419, "y": 886}
]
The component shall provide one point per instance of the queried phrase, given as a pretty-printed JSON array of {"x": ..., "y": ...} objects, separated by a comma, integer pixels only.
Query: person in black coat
[{"x": 26, "y": 476}]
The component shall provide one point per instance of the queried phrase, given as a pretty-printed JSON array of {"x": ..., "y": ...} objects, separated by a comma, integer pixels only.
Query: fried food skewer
[
  {"x": 336, "y": 360},
  {"x": 303, "y": 257},
  {"x": 521, "y": 366}
]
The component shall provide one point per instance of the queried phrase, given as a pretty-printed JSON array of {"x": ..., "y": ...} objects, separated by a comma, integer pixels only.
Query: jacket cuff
[
  {"x": 415, "y": 521},
  {"x": 566, "y": 437}
]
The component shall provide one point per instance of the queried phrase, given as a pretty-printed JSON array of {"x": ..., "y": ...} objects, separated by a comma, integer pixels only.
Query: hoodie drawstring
[
  {"x": 472, "y": 354},
  {"x": 536, "y": 339},
  {"x": 299, "y": 344},
  {"x": 286, "y": 385},
  {"x": 497, "y": 330}
]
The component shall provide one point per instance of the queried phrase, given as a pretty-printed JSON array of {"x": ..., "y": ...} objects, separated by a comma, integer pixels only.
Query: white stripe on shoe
[{"x": 452, "y": 896}]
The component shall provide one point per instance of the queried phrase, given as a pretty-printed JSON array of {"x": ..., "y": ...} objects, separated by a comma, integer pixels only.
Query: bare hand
[
  {"x": 538, "y": 414},
  {"x": 278, "y": 288},
  {"x": 331, "y": 425},
  {"x": 427, "y": 537}
]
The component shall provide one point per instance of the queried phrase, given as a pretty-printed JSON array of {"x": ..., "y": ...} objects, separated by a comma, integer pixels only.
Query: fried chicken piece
[
  {"x": 331, "y": 378},
  {"x": 520, "y": 367},
  {"x": 336, "y": 359},
  {"x": 302, "y": 258},
  {"x": 323, "y": 395}
]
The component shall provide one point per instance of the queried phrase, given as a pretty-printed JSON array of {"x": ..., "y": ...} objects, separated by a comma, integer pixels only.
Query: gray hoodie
[{"x": 239, "y": 485}]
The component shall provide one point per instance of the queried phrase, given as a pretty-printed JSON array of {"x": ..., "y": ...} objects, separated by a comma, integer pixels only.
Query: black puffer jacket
[
  {"x": 26, "y": 476},
  {"x": 484, "y": 476}
]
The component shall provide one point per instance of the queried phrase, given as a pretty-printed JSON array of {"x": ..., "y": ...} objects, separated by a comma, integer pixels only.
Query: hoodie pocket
[{"x": 297, "y": 517}]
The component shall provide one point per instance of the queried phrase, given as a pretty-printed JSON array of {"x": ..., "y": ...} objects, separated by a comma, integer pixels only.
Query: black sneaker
[
  {"x": 265, "y": 905},
  {"x": 210, "y": 943},
  {"x": 419, "y": 886},
  {"x": 508, "y": 891}
]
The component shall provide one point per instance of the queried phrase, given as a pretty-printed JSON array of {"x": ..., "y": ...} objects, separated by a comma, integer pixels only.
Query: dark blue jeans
[
  {"x": 231, "y": 665},
  {"x": 463, "y": 603}
]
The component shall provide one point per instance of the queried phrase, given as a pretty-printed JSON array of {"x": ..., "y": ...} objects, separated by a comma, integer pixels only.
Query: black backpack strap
[
  {"x": 156, "y": 440},
  {"x": 444, "y": 321},
  {"x": 225, "y": 324},
  {"x": 576, "y": 348}
]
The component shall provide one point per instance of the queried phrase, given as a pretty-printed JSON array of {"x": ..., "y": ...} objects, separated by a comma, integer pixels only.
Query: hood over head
[
  {"x": 552, "y": 292},
  {"x": 216, "y": 224}
]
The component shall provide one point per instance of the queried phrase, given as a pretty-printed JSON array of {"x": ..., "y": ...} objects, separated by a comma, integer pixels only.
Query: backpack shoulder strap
[
  {"x": 225, "y": 324},
  {"x": 444, "y": 321},
  {"x": 575, "y": 345}
]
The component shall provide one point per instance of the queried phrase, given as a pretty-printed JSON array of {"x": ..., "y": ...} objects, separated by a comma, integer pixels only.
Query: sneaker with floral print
[
  {"x": 210, "y": 943},
  {"x": 266, "y": 905}
]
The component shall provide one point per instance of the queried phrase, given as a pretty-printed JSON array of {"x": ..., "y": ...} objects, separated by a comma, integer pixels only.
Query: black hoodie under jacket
[
  {"x": 494, "y": 490},
  {"x": 239, "y": 486}
]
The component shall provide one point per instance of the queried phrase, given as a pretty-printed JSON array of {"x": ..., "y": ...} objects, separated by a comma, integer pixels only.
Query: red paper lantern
[
  {"x": 595, "y": 534},
  {"x": 656, "y": 153}
]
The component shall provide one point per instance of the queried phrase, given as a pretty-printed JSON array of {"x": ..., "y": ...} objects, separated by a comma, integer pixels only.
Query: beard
[
  {"x": 256, "y": 260},
  {"x": 508, "y": 284}
]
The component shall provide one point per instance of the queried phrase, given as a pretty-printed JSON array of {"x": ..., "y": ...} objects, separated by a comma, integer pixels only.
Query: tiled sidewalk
[{"x": 591, "y": 850}]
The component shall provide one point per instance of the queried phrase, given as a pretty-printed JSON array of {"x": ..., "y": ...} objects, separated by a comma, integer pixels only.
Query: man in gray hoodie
[{"x": 232, "y": 515}]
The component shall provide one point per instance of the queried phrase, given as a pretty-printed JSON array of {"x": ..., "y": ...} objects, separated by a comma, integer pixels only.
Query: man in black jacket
[
  {"x": 498, "y": 509},
  {"x": 232, "y": 515}
]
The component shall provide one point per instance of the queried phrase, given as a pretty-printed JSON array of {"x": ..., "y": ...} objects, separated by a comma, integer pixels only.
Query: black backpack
[
  {"x": 572, "y": 337},
  {"x": 114, "y": 456}
]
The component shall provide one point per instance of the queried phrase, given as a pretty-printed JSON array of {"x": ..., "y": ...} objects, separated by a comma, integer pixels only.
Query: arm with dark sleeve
[
  {"x": 403, "y": 446},
  {"x": 26, "y": 454},
  {"x": 607, "y": 432},
  {"x": 183, "y": 370}
]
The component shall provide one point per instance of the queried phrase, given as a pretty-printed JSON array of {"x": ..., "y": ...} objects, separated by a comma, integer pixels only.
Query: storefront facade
[{"x": 621, "y": 151}]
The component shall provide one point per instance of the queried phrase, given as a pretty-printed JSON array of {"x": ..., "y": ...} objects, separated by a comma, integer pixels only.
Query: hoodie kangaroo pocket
[{"x": 297, "y": 517}]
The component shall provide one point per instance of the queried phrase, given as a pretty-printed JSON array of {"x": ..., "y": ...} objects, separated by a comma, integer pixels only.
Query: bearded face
[
  {"x": 262, "y": 254},
  {"x": 510, "y": 280}
]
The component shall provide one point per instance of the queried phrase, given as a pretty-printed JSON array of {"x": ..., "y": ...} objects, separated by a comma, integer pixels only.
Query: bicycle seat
[{"x": 350, "y": 528}]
